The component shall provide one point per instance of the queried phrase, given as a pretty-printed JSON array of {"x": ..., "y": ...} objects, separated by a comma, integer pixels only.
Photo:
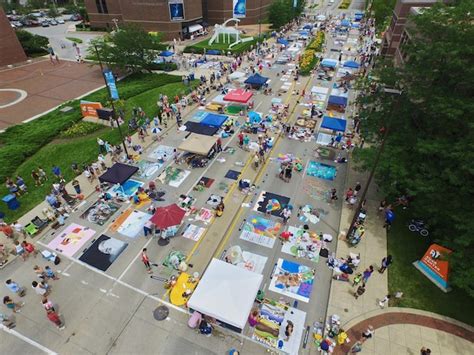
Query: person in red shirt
[
  {"x": 7, "y": 230},
  {"x": 146, "y": 261},
  {"x": 54, "y": 317},
  {"x": 241, "y": 139},
  {"x": 349, "y": 194}
]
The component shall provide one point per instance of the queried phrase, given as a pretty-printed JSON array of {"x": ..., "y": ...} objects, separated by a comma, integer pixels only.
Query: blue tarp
[
  {"x": 213, "y": 52},
  {"x": 334, "y": 124},
  {"x": 351, "y": 64},
  {"x": 355, "y": 25},
  {"x": 337, "y": 100},
  {"x": 329, "y": 63},
  {"x": 345, "y": 23},
  {"x": 166, "y": 54},
  {"x": 214, "y": 120},
  {"x": 307, "y": 27},
  {"x": 283, "y": 41},
  {"x": 254, "y": 117},
  {"x": 256, "y": 79},
  {"x": 304, "y": 33}
]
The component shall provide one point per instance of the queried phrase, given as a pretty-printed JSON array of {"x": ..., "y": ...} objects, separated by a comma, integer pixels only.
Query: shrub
[
  {"x": 32, "y": 44},
  {"x": 75, "y": 40},
  {"x": 345, "y": 4},
  {"x": 163, "y": 66},
  {"x": 308, "y": 60},
  {"x": 80, "y": 129}
]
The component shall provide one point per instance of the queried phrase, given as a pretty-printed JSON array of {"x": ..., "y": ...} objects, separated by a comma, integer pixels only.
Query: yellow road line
[{"x": 241, "y": 209}]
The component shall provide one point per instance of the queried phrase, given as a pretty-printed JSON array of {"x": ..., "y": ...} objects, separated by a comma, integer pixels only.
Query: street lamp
[
  {"x": 114, "y": 113},
  {"x": 388, "y": 91}
]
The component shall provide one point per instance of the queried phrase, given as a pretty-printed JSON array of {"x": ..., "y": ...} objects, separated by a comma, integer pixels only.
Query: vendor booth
[
  {"x": 237, "y": 75},
  {"x": 118, "y": 173},
  {"x": 328, "y": 62},
  {"x": 214, "y": 120},
  {"x": 334, "y": 124},
  {"x": 201, "y": 129},
  {"x": 226, "y": 293},
  {"x": 239, "y": 96},
  {"x": 199, "y": 144},
  {"x": 337, "y": 103},
  {"x": 351, "y": 64},
  {"x": 256, "y": 81}
]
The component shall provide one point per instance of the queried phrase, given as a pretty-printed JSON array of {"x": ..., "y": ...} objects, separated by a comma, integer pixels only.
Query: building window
[
  {"x": 104, "y": 6},
  {"x": 101, "y": 6}
]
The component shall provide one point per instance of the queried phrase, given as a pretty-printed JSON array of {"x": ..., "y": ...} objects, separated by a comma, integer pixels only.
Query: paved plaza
[{"x": 108, "y": 303}]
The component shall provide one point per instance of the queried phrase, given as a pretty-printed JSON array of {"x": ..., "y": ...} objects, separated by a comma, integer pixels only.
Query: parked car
[
  {"x": 17, "y": 24},
  {"x": 53, "y": 23},
  {"x": 45, "y": 24},
  {"x": 75, "y": 17},
  {"x": 60, "y": 21}
]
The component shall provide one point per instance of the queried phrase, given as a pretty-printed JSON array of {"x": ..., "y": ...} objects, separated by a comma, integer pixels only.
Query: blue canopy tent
[
  {"x": 254, "y": 117},
  {"x": 331, "y": 63},
  {"x": 337, "y": 100},
  {"x": 283, "y": 41},
  {"x": 214, "y": 120},
  {"x": 213, "y": 52},
  {"x": 334, "y": 124},
  {"x": 256, "y": 80},
  {"x": 308, "y": 27},
  {"x": 166, "y": 54},
  {"x": 345, "y": 23},
  {"x": 355, "y": 25},
  {"x": 358, "y": 16},
  {"x": 304, "y": 33},
  {"x": 351, "y": 64}
]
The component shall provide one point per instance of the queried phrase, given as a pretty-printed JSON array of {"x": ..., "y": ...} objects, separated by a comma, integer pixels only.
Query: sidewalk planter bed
[
  {"x": 309, "y": 60},
  {"x": 199, "y": 47},
  {"x": 61, "y": 139},
  {"x": 345, "y": 4},
  {"x": 75, "y": 40}
]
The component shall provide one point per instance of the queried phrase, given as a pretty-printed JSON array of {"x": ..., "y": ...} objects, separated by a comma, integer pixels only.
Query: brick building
[
  {"x": 11, "y": 50},
  {"x": 155, "y": 15},
  {"x": 395, "y": 34}
]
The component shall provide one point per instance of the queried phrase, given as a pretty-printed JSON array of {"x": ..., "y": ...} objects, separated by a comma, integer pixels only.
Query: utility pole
[
  {"x": 395, "y": 107},
  {"x": 259, "y": 27},
  {"x": 114, "y": 113}
]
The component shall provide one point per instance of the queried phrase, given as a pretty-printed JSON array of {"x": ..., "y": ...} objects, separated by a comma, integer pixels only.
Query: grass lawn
[
  {"x": 419, "y": 292},
  {"x": 75, "y": 40},
  {"x": 238, "y": 48},
  {"x": 83, "y": 149}
]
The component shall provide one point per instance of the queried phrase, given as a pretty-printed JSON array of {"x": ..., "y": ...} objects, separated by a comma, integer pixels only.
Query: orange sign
[
  {"x": 435, "y": 260},
  {"x": 88, "y": 109}
]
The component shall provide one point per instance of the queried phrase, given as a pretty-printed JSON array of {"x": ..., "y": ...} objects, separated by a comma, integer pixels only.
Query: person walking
[
  {"x": 15, "y": 288},
  {"x": 50, "y": 274},
  {"x": 286, "y": 214},
  {"x": 384, "y": 301},
  {"x": 10, "y": 304},
  {"x": 386, "y": 262},
  {"x": 368, "y": 333},
  {"x": 47, "y": 304},
  {"x": 367, "y": 273},
  {"x": 357, "y": 188},
  {"x": 41, "y": 288},
  {"x": 76, "y": 186},
  {"x": 333, "y": 196},
  {"x": 146, "y": 261}
]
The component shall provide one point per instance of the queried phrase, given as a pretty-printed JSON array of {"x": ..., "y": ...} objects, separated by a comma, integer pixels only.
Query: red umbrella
[{"x": 168, "y": 216}]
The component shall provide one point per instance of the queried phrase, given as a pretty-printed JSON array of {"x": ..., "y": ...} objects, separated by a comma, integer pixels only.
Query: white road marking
[
  {"x": 102, "y": 290},
  {"x": 27, "y": 340},
  {"x": 84, "y": 282}
]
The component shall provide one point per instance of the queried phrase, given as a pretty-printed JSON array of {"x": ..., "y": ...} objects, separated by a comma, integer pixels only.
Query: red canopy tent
[
  {"x": 168, "y": 216},
  {"x": 241, "y": 96}
]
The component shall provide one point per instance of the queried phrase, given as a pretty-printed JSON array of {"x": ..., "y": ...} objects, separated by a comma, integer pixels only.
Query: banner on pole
[
  {"x": 110, "y": 79},
  {"x": 239, "y": 8},
  {"x": 176, "y": 10}
]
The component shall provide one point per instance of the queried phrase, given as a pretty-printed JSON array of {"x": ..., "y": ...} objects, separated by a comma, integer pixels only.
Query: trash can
[{"x": 11, "y": 201}]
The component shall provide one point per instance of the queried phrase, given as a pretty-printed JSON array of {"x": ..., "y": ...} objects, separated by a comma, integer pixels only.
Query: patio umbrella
[{"x": 168, "y": 216}]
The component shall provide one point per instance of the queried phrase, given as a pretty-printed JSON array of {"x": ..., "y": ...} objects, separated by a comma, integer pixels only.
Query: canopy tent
[
  {"x": 198, "y": 144},
  {"x": 239, "y": 95},
  {"x": 304, "y": 33},
  {"x": 197, "y": 127},
  {"x": 319, "y": 90},
  {"x": 256, "y": 80},
  {"x": 328, "y": 62},
  {"x": 226, "y": 292},
  {"x": 355, "y": 25},
  {"x": 213, "y": 52},
  {"x": 219, "y": 99},
  {"x": 168, "y": 216},
  {"x": 283, "y": 41},
  {"x": 337, "y": 100},
  {"x": 351, "y": 64},
  {"x": 118, "y": 173},
  {"x": 214, "y": 120},
  {"x": 166, "y": 54},
  {"x": 308, "y": 26},
  {"x": 359, "y": 16},
  {"x": 334, "y": 124}
]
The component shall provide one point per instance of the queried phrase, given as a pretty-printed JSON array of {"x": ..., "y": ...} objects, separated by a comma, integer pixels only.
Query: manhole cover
[{"x": 161, "y": 313}]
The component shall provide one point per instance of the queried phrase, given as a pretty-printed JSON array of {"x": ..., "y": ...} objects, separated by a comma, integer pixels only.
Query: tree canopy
[
  {"x": 128, "y": 48},
  {"x": 429, "y": 152},
  {"x": 32, "y": 44},
  {"x": 282, "y": 11}
]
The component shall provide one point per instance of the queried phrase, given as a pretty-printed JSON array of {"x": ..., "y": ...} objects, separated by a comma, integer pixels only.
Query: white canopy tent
[
  {"x": 226, "y": 292},
  {"x": 195, "y": 28}
]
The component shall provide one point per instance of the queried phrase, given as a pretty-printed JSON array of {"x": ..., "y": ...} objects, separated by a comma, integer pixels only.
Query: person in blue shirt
[{"x": 56, "y": 171}]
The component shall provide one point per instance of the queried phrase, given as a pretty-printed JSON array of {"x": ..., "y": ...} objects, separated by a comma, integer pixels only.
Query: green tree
[
  {"x": 129, "y": 48},
  {"x": 32, "y": 44},
  {"x": 429, "y": 151},
  {"x": 382, "y": 12},
  {"x": 282, "y": 11},
  {"x": 53, "y": 11}
]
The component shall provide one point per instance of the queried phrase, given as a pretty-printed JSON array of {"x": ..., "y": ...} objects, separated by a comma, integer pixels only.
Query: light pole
[
  {"x": 259, "y": 27},
  {"x": 114, "y": 113},
  {"x": 394, "y": 108}
]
